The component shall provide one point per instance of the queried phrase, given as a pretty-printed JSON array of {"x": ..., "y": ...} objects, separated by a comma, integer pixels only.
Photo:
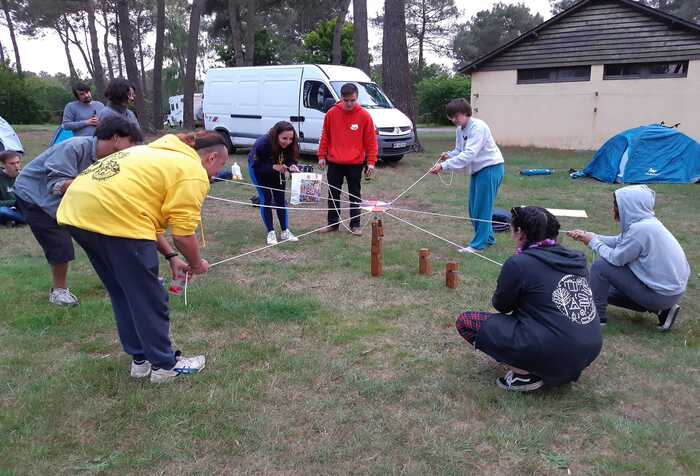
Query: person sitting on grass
[
  {"x": 272, "y": 156},
  {"x": 118, "y": 211},
  {"x": 43, "y": 182},
  {"x": 644, "y": 268},
  {"x": 476, "y": 152},
  {"x": 547, "y": 328},
  {"x": 11, "y": 166}
]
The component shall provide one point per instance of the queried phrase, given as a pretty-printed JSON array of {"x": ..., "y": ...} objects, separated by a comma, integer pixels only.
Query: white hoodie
[
  {"x": 645, "y": 245},
  {"x": 474, "y": 149}
]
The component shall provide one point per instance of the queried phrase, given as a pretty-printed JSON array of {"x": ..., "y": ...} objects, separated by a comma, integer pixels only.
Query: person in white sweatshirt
[
  {"x": 476, "y": 153},
  {"x": 644, "y": 268}
]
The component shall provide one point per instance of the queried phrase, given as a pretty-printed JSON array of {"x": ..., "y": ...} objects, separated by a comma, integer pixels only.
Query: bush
[
  {"x": 434, "y": 94},
  {"x": 20, "y": 101}
]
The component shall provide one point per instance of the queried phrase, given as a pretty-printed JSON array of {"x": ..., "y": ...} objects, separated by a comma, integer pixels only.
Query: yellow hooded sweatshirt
[{"x": 139, "y": 192}]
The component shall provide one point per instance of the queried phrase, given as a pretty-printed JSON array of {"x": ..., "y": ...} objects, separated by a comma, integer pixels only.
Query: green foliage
[
  {"x": 317, "y": 44},
  {"x": 489, "y": 29},
  {"x": 31, "y": 99},
  {"x": 434, "y": 93}
]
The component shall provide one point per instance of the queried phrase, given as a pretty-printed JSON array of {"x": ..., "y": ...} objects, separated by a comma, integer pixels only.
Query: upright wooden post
[
  {"x": 377, "y": 235},
  {"x": 451, "y": 277},
  {"x": 423, "y": 262}
]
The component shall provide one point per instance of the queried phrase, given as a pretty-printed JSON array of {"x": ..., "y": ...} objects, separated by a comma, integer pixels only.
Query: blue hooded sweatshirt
[{"x": 645, "y": 245}]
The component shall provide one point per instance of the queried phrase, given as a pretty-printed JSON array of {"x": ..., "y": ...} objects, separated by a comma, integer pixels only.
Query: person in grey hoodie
[
  {"x": 120, "y": 94},
  {"x": 41, "y": 185},
  {"x": 643, "y": 268},
  {"x": 80, "y": 116}
]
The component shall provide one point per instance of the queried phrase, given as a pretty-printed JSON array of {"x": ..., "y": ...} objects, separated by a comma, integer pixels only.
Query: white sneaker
[
  {"x": 288, "y": 236},
  {"x": 272, "y": 238},
  {"x": 468, "y": 249},
  {"x": 62, "y": 297},
  {"x": 184, "y": 366},
  {"x": 140, "y": 370}
]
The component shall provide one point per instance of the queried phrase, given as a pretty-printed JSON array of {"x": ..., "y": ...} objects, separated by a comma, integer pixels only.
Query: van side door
[{"x": 315, "y": 94}]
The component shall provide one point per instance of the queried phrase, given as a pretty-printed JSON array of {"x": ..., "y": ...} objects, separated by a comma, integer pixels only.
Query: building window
[
  {"x": 672, "y": 69},
  {"x": 554, "y": 75}
]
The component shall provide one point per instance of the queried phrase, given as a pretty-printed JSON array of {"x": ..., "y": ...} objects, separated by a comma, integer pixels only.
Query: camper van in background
[
  {"x": 242, "y": 104},
  {"x": 174, "y": 117}
]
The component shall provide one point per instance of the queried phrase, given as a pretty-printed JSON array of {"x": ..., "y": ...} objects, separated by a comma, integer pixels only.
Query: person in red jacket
[{"x": 348, "y": 138}]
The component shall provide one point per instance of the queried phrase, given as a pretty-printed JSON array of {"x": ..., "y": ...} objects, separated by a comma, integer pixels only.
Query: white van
[
  {"x": 243, "y": 103},
  {"x": 174, "y": 117}
]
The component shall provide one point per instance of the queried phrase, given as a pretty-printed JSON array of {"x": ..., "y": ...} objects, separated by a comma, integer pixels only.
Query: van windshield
[{"x": 371, "y": 97}]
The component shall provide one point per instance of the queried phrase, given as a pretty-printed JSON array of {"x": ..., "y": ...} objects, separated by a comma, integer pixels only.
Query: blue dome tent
[{"x": 647, "y": 154}]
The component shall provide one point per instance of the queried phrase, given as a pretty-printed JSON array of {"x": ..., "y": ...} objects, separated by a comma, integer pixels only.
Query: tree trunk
[
  {"x": 140, "y": 40},
  {"x": 396, "y": 74},
  {"x": 251, "y": 24},
  {"x": 66, "y": 45},
  {"x": 337, "y": 50},
  {"x": 99, "y": 74},
  {"x": 191, "y": 68},
  {"x": 132, "y": 69},
  {"x": 2, "y": 54},
  {"x": 236, "y": 33},
  {"x": 157, "y": 98},
  {"x": 360, "y": 41},
  {"x": 105, "y": 39},
  {"x": 11, "y": 27},
  {"x": 119, "y": 46},
  {"x": 78, "y": 43}
]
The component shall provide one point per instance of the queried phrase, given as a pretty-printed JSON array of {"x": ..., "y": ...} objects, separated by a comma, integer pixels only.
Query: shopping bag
[{"x": 306, "y": 188}]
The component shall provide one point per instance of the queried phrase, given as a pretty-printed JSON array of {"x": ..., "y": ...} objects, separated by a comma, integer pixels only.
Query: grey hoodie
[{"x": 645, "y": 245}]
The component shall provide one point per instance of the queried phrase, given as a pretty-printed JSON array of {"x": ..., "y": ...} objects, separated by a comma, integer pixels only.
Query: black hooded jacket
[{"x": 552, "y": 328}]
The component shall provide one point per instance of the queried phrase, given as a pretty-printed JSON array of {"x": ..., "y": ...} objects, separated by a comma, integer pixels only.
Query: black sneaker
[
  {"x": 668, "y": 317},
  {"x": 519, "y": 383}
]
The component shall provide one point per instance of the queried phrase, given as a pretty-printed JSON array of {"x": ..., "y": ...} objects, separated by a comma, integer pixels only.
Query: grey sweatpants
[{"x": 618, "y": 285}]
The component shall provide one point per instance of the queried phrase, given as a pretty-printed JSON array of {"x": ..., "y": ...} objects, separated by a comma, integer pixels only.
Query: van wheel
[
  {"x": 227, "y": 140},
  {"x": 392, "y": 159}
]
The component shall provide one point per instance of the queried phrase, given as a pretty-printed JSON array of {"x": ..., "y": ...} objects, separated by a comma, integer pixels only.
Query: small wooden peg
[
  {"x": 423, "y": 261},
  {"x": 451, "y": 277}
]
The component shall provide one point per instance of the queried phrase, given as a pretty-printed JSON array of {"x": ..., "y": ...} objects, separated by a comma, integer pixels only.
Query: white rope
[
  {"x": 448, "y": 184},
  {"x": 276, "y": 244},
  {"x": 248, "y": 184},
  {"x": 443, "y": 239},
  {"x": 414, "y": 183},
  {"x": 274, "y": 206},
  {"x": 449, "y": 216}
]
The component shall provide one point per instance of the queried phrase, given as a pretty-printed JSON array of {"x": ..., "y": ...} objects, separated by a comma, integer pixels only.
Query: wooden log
[
  {"x": 376, "y": 249},
  {"x": 424, "y": 262},
  {"x": 451, "y": 277}
]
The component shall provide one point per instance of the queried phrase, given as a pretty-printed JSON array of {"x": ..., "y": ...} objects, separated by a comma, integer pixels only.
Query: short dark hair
[
  {"x": 458, "y": 106},
  {"x": 532, "y": 221},
  {"x": 9, "y": 154},
  {"x": 348, "y": 89},
  {"x": 118, "y": 91},
  {"x": 80, "y": 88},
  {"x": 120, "y": 127}
]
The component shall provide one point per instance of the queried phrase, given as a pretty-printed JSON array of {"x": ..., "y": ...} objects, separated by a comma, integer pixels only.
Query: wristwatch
[{"x": 171, "y": 255}]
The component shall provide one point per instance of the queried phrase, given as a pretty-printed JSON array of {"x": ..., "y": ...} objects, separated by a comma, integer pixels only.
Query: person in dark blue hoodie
[
  {"x": 547, "y": 329},
  {"x": 272, "y": 156}
]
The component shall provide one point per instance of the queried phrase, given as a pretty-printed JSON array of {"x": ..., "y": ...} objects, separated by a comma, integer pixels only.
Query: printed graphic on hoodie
[
  {"x": 574, "y": 298},
  {"x": 105, "y": 168}
]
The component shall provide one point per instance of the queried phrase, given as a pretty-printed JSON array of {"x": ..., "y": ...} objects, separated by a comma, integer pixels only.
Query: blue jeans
[
  {"x": 482, "y": 195},
  {"x": 8, "y": 214}
]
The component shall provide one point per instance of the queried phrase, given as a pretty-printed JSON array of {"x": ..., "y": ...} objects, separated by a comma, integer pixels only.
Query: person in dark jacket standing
[
  {"x": 348, "y": 137},
  {"x": 547, "y": 329},
  {"x": 272, "y": 156}
]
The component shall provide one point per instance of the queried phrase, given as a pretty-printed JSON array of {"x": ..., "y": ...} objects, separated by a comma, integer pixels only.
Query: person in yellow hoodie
[{"x": 118, "y": 209}]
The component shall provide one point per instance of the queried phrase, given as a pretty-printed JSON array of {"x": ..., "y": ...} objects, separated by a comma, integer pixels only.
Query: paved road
[{"x": 436, "y": 130}]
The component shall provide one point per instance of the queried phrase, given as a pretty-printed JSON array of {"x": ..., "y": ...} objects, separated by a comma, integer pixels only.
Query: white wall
[{"x": 582, "y": 115}]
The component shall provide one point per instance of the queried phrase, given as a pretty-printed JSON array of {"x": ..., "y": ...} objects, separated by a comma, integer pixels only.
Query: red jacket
[{"x": 348, "y": 136}]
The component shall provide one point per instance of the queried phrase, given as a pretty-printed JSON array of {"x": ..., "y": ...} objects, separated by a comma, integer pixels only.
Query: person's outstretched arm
[
  {"x": 475, "y": 142},
  {"x": 627, "y": 249}
]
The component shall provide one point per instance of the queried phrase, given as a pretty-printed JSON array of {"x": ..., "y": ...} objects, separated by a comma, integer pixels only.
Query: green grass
[{"x": 314, "y": 367}]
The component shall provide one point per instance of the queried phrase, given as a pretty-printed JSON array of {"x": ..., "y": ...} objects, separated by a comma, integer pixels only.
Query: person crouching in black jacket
[{"x": 547, "y": 329}]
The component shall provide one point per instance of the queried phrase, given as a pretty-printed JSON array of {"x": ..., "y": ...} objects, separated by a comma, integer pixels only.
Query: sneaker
[
  {"x": 140, "y": 369},
  {"x": 288, "y": 236},
  {"x": 272, "y": 238},
  {"x": 519, "y": 383},
  {"x": 62, "y": 297},
  {"x": 668, "y": 317},
  {"x": 468, "y": 249},
  {"x": 356, "y": 230},
  {"x": 183, "y": 366}
]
